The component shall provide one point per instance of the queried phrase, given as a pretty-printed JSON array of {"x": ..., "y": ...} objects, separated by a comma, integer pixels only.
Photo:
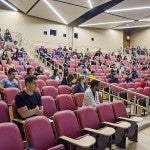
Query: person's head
[
  {"x": 11, "y": 73},
  {"x": 114, "y": 74},
  {"x": 70, "y": 78},
  {"x": 39, "y": 69},
  {"x": 95, "y": 85},
  {"x": 93, "y": 72},
  {"x": 31, "y": 82},
  {"x": 29, "y": 71},
  {"x": 81, "y": 79}
]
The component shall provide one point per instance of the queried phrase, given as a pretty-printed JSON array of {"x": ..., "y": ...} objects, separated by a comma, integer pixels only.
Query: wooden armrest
[
  {"x": 134, "y": 119},
  {"x": 18, "y": 120},
  {"x": 84, "y": 142},
  {"x": 106, "y": 131},
  {"x": 122, "y": 124}
]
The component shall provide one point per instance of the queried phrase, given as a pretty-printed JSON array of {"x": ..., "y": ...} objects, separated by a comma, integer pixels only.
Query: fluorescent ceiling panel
[
  {"x": 9, "y": 5},
  {"x": 23, "y": 5},
  {"x": 135, "y": 24}
]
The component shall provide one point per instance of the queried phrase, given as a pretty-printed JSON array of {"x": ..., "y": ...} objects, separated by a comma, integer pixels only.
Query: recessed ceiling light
[
  {"x": 138, "y": 26},
  {"x": 127, "y": 9},
  {"x": 104, "y": 23},
  {"x": 90, "y": 3},
  {"x": 9, "y": 5},
  {"x": 55, "y": 11}
]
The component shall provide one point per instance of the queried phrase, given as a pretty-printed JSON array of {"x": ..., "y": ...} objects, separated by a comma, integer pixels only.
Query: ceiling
[{"x": 101, "y": 15}]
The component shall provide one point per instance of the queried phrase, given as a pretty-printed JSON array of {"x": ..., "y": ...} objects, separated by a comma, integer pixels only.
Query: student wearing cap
[
  {"x": 11, "y": 81},
  {"x": 91, "y": 95}
]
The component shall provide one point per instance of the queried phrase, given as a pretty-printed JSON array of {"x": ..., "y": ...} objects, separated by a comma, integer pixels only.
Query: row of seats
[{"x": 101, "y": 123}]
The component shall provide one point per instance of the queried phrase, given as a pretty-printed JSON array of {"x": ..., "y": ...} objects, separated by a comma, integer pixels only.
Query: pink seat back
[
  {"x": 78, "y": 99},
  {"x": 64, "y": 89},
  {"x": 105, "y": 113},
  {"x": 86, "y": 121},
  {"x": 66, "y": 124},
  {"x": 39, "y": 133},
  {"x": 9, "y": 94},
  {"x": 4, "y": 114},
  {"x": 10, "y": 138},
  {"x": 49, "y": 106},
  {"x": 65, "y": 102},
  {"x": 49, "y": 91},
  {"x": 51, "y": 82},
  {"x": 119, "y": 109}
]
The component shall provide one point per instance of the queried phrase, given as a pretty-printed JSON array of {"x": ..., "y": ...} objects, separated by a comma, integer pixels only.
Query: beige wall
[
  {"x": 32, "y": 30},
  {"x": 141, "y": 38}
]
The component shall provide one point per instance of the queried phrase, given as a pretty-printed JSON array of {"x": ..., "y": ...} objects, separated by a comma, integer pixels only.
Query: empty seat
[
  {"x": 90, "y": 123},
  {"x": 64, "y": 89},
  {"x": 4, "y": 113},
  {"x": 51, "y": 82},
  {"x": 49, "y": 106},
  {"x": 106, "y": 116},
  {"x": 78, "y": 99},
  {"x": 40, "y": 84},
  {"x": 43, "y": 77},
  {"x": 10, "y": 138},
  {"x": 39, "y": 134},
  {"x": 65, "y": 102},
  {"x": 49, "y": 91},
  {"x": 68, "y": 130},
  {"x": 120, "y": 113},
  {"x": 9, "y": 94}
]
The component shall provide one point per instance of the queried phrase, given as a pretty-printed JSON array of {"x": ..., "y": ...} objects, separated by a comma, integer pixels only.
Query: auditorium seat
[
  {"x": 49, "y": 106},
  {"x": 78, "y": 99},
  {"x": 40, "y": 135},
  {"x": 49, "y": 91},
  {"x": 9, "y": 94},
  {"x": 90, "y": 124},
  {"x": 65, "y": 102},
  {"x": 120, "y": 113},
  {"x": 106, "y": 116},
  {"x": 10, "y": 138},
  {"x": 68, "y": 130},
  {"x": 51, "y": 82},
  {"x": 64, "y": 89},
  {"x": 40, "y": 84},
  {"x": 4, "y": 113}
]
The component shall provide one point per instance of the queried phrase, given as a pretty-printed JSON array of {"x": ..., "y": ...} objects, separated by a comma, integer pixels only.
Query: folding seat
[
  {"x": 4, "y": 113},
  {"x": 78, "y": 99},
  {"x": 69, "y": 132},
  {"x": 131, "y": 85},
  {"x": 22, "y": 82},
  {"x": 131, "y": 95},
  {"x": 49, "y": 106},
  {"x": 9, "y": 94},
  {"x": 120, "y": 113},
  {"x": 90, "y": 123},
  {"x": 43, "y": 77},
  {"x": 39, "y": 134},
  {"x": 2, "y": 73},
  {"x": 65, "y": 102},
  {"x": 40, "y": 84},
  {"x": 46, "y": 73},
  {"x": 115, "y": 88},
  {"x": 3, "y": 62},
  {"x": 64, "y": 89},
  {"x": 106, "y": 116},
  {"x": 10, "y": 138},
  {"x": 22, "y": 74},
  {"x": 51, "y": 82},
  {"x": 71, "y": 70},
  {"x": 137, "y": 84},
  {"x": 49, "y": 91}
]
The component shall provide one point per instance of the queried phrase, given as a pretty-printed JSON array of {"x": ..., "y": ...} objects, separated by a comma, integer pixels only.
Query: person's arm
[
  {"x": 24, "y": 112},
  {"x": 40, "y": 111}
]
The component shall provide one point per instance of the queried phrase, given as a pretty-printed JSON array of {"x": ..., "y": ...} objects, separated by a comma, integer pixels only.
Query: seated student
[
  {"x": 9, "y": 65},
  {"x": 80, "y": 86},
  {"x": 114, "y": 78},
  {"x": 91, "y": 95},
  {"x": 71, "y": 80},
  {"x": 29, "y": 72},
  {"x": 67, "y": 57},
  {"x": 15, "y": 57},
  {"x": 84, "y": 71},
  {"x": 92, "y": 76},
  {"x": 56, "y": 75},
  {"x": 28, "y": 102},
  {"x": 11, "y": 81},
  {"x": 7, "y": 36},
  {"x": 128, "y": 78},
  {"x": 38, "y": 71},
  {"x": 25, "y": 61}
]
